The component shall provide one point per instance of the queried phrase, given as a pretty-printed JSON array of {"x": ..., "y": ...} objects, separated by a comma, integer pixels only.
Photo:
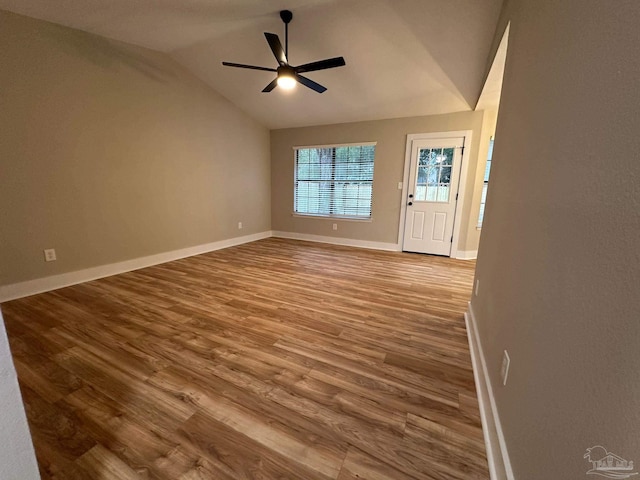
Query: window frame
[{"x": 353, "y": 218}]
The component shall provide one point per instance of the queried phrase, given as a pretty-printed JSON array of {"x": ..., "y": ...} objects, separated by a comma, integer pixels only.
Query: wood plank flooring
[{"x": 277, "y": 359}]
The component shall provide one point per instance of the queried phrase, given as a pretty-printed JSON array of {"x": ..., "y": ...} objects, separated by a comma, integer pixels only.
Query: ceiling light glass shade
[{"x": 286, "y": 81}]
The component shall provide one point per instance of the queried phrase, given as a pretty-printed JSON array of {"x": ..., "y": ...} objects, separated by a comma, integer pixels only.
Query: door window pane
[{"x": 433, "y": 177}]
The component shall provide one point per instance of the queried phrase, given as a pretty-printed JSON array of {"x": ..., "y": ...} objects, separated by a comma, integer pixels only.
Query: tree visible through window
[
  {"x": 485, "y": 186},
  {"x": 334, "y": 181}
]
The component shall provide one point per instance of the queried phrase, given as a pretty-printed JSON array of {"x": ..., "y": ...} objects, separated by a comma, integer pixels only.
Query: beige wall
[
  {"x": 558, "y": 262},
  {"x": 391, "y": 136},
  {"x": 110, "y": 152}
]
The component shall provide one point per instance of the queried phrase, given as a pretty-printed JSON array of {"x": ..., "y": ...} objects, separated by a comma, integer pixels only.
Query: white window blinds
[{"x": 334, "y": 181}]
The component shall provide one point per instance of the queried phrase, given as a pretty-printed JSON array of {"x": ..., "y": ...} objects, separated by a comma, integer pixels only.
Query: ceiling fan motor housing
[{"x": 286, "y": 71}]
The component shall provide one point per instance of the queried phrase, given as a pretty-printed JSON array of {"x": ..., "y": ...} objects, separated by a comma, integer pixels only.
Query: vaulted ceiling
[{"x": 404, "y": 57}]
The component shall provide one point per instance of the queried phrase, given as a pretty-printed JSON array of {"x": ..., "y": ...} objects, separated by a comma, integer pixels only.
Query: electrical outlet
[
  {"x": 399, "y": 185},
  {"x": 239, "y": 225},
  {"x": 477, "y": 286},
  {"x": 504, "y": 371},
  {"x": 50, "y": 255},
  {"x": 335, "y": 226}
]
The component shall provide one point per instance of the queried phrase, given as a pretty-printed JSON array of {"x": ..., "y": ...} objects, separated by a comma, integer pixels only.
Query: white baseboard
[
  {"x": 351, "y": 242},
  {"x": 467, "y": 254},
  {"x": 497, "y": 453},
  {"x": 46, "y": 284},
  {"x": 40, "y": 285}
]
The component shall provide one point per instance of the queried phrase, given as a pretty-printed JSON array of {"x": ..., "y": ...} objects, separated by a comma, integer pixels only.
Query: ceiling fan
[{"x": 288, "y": 75}]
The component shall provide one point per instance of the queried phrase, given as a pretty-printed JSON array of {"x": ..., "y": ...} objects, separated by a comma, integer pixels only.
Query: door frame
[{"x": 464, "y": 167}]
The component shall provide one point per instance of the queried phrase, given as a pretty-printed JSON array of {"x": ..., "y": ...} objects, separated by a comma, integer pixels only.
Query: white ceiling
[{"x": 404, "y": 57}]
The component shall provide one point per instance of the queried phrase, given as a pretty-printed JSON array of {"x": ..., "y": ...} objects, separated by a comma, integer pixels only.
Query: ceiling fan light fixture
[{"x": 286, "y": 78}]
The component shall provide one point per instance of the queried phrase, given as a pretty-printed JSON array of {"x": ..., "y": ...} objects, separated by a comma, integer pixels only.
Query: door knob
[
  {"x": 411, "y": 195},
  {"x": 410, "y": 203}
]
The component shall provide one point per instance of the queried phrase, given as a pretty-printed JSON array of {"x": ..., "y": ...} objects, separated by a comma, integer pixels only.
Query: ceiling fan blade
[
  {"x": 270, "y": 87},
  {"x": 276, "y": 48},
  {"x": 251, "y": 67},
  {"x": 321, "y": 65},
  {"x": 310, "y": 83}
]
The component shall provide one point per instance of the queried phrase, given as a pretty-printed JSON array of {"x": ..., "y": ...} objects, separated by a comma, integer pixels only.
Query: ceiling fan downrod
[{"x": 286, "y": 16}]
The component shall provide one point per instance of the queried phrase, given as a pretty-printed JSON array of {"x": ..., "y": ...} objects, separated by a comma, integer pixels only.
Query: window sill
[{"x": 335, "y": 218}]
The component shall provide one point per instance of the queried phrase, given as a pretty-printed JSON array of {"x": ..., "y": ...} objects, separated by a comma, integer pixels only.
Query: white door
[{"x": 434, "y": 176}]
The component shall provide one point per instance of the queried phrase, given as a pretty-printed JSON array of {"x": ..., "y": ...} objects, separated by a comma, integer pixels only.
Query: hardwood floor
[{"x": 277, "y": 359}]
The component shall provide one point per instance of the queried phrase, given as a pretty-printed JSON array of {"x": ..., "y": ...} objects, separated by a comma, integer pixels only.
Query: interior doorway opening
[{"x": 489, "y": 102}]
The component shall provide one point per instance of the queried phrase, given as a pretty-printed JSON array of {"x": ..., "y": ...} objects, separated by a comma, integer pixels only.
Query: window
[
  {"x": 487, "y": 171},
  {"x": 434, "y": 174},
  {"x": 334, "y": 181}
]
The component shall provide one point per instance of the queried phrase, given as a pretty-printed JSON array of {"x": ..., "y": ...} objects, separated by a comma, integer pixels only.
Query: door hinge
[
  {"x": 451, "y": 238},
  {"x": 456, "y": 197}
]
